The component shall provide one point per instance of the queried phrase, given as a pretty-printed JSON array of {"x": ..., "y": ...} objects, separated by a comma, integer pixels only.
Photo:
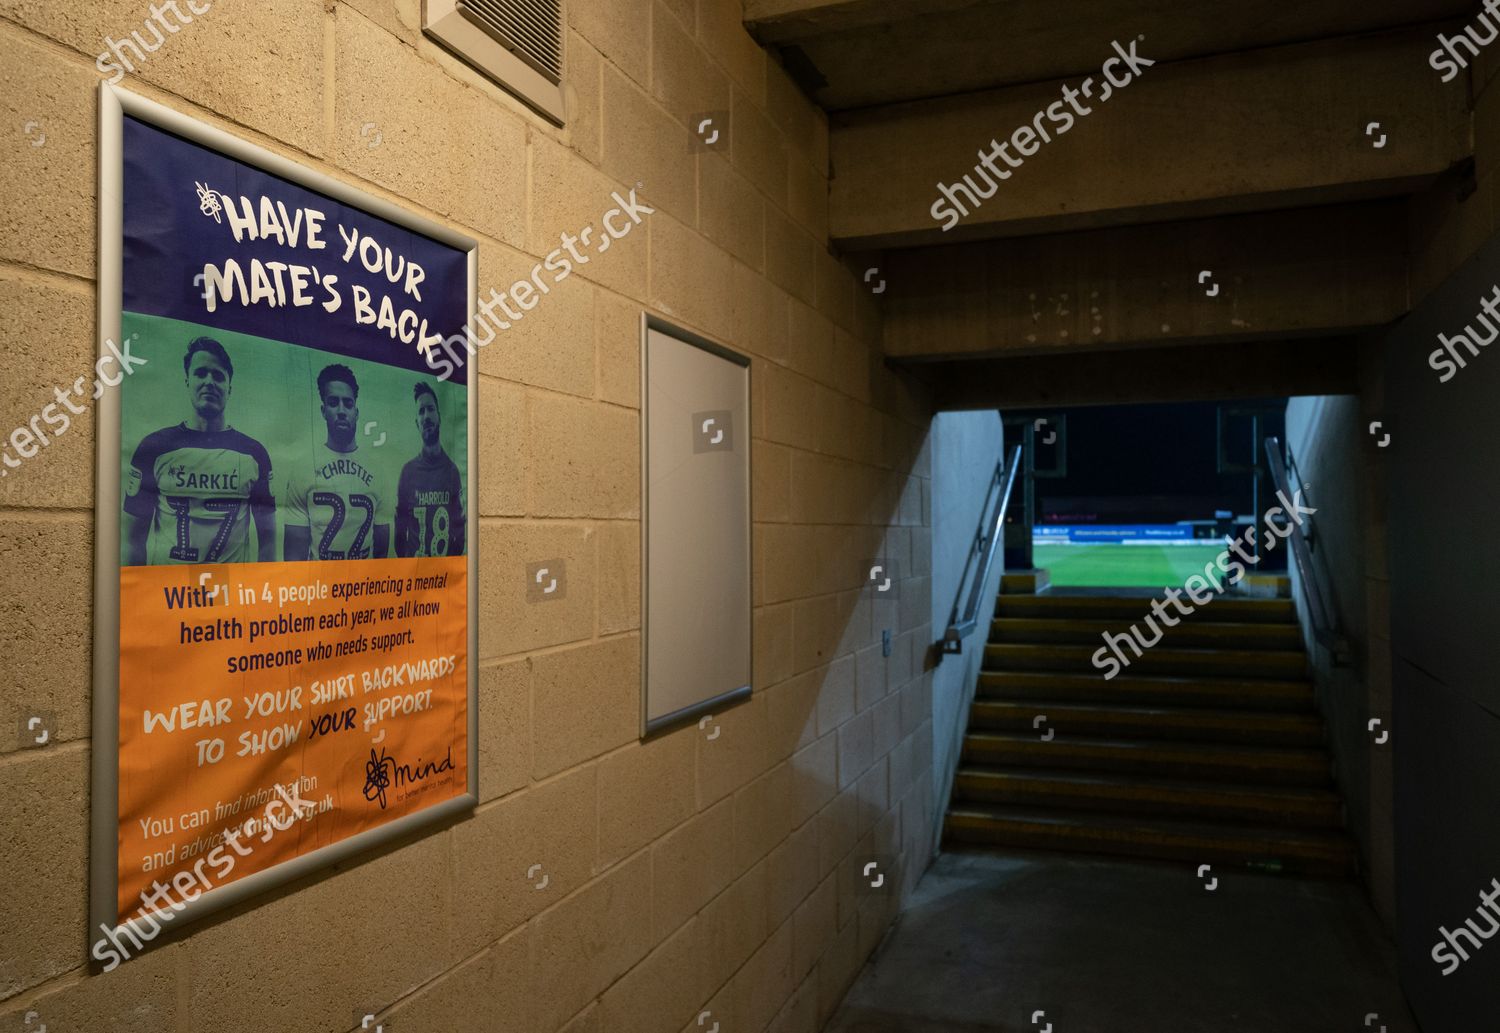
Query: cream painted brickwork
[{"x": 685, "y": 874}]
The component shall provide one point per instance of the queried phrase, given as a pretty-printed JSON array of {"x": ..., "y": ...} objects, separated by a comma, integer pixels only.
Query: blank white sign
[{"x": 696, "y": 538}]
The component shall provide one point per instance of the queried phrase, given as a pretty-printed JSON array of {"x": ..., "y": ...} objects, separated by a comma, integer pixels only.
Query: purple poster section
[{"x": 216, "y": 241}]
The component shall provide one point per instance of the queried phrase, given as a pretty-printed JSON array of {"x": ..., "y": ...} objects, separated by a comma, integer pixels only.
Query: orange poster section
[{"x": 345, "y": 684}]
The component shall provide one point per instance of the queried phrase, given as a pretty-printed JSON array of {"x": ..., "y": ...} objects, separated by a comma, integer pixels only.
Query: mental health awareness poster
[{"x": 292, "y": 665}]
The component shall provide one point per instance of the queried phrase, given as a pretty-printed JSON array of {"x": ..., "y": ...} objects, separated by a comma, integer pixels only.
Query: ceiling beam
[
  {"x": 1250, "y": 131},
  {"x": 873, "y": 52},
  {"x": 1287, "y": 273},
  {"x": 1242, "y": 370}
]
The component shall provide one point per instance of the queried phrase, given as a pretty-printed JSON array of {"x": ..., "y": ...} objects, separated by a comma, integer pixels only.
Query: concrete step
[
  {"x": 1251, "y": 663},
  {"x": 1081, "y": 631},
  {"x": 1142, "y": 722},
  {"x": 1275, "y": 849},
  {"x": 1025, "y": 582},
  {"x": 1218, "y": 802},
  {"x": 1266, "y": 586},
  {"x": 1240, "y": 765},
  {"x": 1130, "y": 689},
  {"x": 1132, "y": 608}
]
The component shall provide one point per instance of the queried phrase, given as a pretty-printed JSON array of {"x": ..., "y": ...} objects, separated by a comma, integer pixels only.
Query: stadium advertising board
[{"x": 285, "y": 568}]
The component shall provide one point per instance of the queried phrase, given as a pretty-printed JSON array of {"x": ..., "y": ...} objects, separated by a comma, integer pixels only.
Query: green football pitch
[{"x": 1139, "y": 566}]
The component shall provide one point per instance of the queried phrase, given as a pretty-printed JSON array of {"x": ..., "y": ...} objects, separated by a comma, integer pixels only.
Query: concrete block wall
[
  {"x": 685, "y": 874},
  {"x": 1328, "y": 440},
  {"x": 966, "y": 446},
  {"x": 1434, "y": 604},
  {"x": 1443, "y": 608}
]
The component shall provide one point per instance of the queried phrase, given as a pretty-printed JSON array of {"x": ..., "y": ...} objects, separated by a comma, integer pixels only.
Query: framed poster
[
  {"x": 285, "y": 591},
  {"x": 695, "y": 533}
]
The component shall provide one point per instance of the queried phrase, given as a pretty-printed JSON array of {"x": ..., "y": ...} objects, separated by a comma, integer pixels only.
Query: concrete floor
[{"x": 1117, "y": 947}]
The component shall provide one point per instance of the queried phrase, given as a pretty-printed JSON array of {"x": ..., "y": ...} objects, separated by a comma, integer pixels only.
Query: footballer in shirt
[
  {"x": 191, "y": 491},
  {"x": 339, "y": 508},
  {"x": 430, "y": 494}
]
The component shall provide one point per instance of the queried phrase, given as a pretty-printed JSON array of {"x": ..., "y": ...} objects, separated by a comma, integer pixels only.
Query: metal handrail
[
  {"x": 986, "y": 539},
  {"x": 1323, "y": 615}
]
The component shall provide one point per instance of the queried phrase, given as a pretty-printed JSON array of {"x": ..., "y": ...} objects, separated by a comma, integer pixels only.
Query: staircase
[{"x": 1207, "y": 749}]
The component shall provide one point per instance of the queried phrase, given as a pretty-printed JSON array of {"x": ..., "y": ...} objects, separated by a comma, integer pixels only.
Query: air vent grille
[{"x": 529, "y": 29}]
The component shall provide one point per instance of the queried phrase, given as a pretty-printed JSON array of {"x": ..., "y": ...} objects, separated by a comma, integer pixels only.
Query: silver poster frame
[
  {"x": 649, "y": 725},
  {"x": 114, "y": 105}
]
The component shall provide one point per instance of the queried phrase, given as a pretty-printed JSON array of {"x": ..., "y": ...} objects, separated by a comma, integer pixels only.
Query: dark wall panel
[{"x": 1445, "y": 630}]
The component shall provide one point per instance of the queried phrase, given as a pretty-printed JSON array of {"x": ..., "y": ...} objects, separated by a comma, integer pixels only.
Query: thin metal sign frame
[
  {"x": 115, "y": 105},
  {"x": 650, "y": 725}
]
